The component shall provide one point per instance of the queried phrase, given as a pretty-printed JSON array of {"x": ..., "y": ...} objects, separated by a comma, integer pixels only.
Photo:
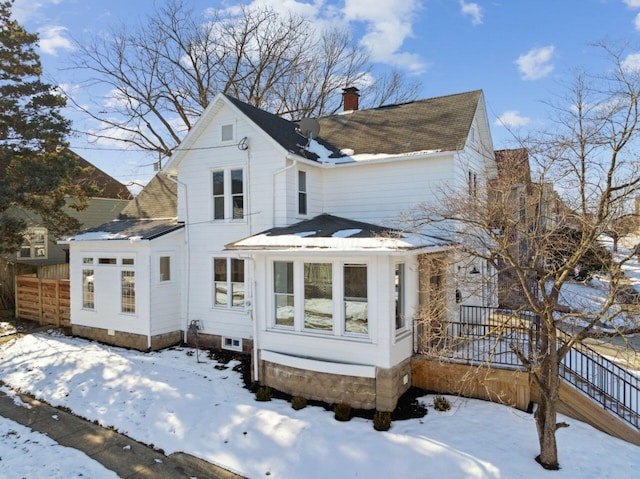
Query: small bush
[
  {"x": 382, "y": 420},
  {"x": 298, "y": 402},
  {"x": 263, "y": 393},
  {"x": 342, "y": 412},
  {"x": 441, "y": 403}
]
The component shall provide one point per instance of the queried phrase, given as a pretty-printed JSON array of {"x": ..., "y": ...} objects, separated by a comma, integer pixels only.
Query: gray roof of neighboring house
[
  {"x": 440, "y": 123},
  {"x": 127, "y": 229},
  {"x": 158, "y": 199},
  {"x": 326, "y": 231}
]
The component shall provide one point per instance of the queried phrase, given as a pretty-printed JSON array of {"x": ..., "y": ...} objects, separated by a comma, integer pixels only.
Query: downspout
[
  {"x": 273, "y": 185},
  {"x": 149, "y": 298},
  {"x": 187, "y": 255}
]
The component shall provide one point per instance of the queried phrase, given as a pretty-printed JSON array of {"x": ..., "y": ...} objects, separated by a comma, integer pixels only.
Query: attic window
[
  {"x": 226, "y": 133},
  {"x": 472, "y": 134}
]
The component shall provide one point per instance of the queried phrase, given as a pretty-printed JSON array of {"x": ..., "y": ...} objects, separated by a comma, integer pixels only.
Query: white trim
[
  {"x": 232, "y": 340},
  {"x": 342, "y": 369}
]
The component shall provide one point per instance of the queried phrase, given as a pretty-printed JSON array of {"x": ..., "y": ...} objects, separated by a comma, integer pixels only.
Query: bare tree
[
  {"x": 163, "y": 72},
  {"x": 588, "y": 172}
]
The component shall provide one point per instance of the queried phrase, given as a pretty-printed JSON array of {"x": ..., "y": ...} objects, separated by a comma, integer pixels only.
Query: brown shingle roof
[
  {"x": 159, "y": 199},
  {"x": 107, "y": 186},
  {"x": 440, "y": 123}
]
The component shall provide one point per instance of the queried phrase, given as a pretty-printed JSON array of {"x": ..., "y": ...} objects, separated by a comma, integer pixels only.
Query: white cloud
[
  {"x": 25, "y": 10},
  {"x": 388, "y": 24},
  {"x": 512, "y": 119},
  {"x": 52, "y": 39},
  {"x": 536, "y": 63},
  {"x": 636, "y": 22},
  {"x": 632, "y": 3},
  {"x": 631, "y": 63},
  {"x": 473, "y": 10}
]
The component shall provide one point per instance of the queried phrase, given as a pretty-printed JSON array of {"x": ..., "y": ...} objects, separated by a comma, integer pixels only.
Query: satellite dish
[{"x": 309, "y": 128}]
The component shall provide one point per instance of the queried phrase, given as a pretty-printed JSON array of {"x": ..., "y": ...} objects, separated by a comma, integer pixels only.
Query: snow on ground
[
  {"x": 6, "y": 329},
  {"x": 169, "y": 400},
  {"x": 28, "y": 454}
]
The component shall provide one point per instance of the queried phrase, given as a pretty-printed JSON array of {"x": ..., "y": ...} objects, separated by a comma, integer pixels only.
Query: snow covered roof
[
  {"x": 328, "y": 232},
  {"x": 133, "y": 230}
]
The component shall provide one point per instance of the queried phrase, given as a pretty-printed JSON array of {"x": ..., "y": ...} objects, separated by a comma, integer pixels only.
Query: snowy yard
[
  {"x": 169, "y": 400},
  {"x": 28, "y": 454}
]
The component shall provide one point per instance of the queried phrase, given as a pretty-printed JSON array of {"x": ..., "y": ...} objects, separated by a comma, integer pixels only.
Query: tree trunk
[{"x": 545, "y": 417}]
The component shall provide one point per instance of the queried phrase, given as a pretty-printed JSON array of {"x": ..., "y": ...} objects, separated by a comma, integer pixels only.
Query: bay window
[{"x": 306, "y": 297}]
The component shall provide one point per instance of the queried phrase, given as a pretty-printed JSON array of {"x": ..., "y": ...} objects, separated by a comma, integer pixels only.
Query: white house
[{"x": 284, "y": 244}]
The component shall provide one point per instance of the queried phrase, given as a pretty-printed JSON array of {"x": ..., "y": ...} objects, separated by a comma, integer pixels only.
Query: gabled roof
[
  {"x": 434, "y": 124},
  {"x": 424, "y": 126},
  {"x": 282, "y": 131},
  {"x": 107, "y": 186},
  {"x": 328, "y": 232},
  {"x": 440, "y": 123},
  {"x": 129, "y": 229},
  {"x": 158, "y": 199}
]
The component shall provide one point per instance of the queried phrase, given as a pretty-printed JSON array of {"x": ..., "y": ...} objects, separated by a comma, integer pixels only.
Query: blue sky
[{"x": 520, "y": 52}]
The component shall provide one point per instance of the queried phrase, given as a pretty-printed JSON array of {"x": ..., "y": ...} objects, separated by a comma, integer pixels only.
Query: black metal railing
[
  {"x": 490, "y": 336},
  {"x": 604, "y": 381}
]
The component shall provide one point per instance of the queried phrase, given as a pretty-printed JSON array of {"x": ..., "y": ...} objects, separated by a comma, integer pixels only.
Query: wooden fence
[{"x": 44, "y": 300}]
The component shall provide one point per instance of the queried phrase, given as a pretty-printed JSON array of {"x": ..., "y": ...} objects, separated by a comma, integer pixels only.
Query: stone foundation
[
  {"x": 380, "y": 393},
  {"x": 127, "y": 340},
  {"x": 214, "y": 341}
]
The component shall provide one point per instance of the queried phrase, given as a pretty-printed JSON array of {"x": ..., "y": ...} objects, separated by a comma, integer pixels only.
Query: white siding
[
  {"x": 378, "y": 193},
  {"x": 166, "y": 296},
  {"x": 107, "y": 279},
  {"x": 261, "y": 163}
]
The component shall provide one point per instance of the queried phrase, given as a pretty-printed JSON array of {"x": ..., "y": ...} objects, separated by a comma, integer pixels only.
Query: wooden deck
[{"x": 513, "y": 388}]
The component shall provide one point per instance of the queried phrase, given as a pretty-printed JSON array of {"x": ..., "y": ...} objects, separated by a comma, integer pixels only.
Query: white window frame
[
  {"x": 338, "y": 299},
  {"x": 124, "y": 308},
  {"x": 229, "y": 284},
  {"x": 227, "y": 139},
  {"x": 303, "y": 193},
  {"x": 400, "y": 296},
  {"x": 31, "y": 243},
  {"x": 228, "y": 195},
  {"x": 161, "y": 279},
  {"x": 233, "y": 344},
  {"x": 88, "y": 304}
]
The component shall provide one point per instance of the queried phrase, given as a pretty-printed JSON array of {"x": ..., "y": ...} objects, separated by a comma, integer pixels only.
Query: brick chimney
[{"x": 350, "y": 96}]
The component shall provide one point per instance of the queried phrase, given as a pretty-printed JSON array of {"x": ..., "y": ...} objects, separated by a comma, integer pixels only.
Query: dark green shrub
[
  {"x": 382, "y": 420},
  {"x": 342, "y": 412},
  {"x": 441, "y": 403},
  {"x": 298, "y": 402},
  {"x": 263, "y": 393}
]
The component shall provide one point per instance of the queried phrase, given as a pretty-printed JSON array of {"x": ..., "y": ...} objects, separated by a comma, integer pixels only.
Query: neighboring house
[
  {"x": 39, "y": 248},
  {"x": 284, "y": 244}
]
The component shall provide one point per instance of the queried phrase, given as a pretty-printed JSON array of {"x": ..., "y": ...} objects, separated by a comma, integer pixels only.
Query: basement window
[{"x": 234, "y": 344}]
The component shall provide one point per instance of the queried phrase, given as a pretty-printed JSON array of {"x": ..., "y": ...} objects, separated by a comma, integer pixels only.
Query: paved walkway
[{"x": 126, "y": 457}]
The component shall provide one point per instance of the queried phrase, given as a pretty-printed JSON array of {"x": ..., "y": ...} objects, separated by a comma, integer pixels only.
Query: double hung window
[
  {"x": 228, "y": 282},
  {"x": 228, "y": 194}
]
